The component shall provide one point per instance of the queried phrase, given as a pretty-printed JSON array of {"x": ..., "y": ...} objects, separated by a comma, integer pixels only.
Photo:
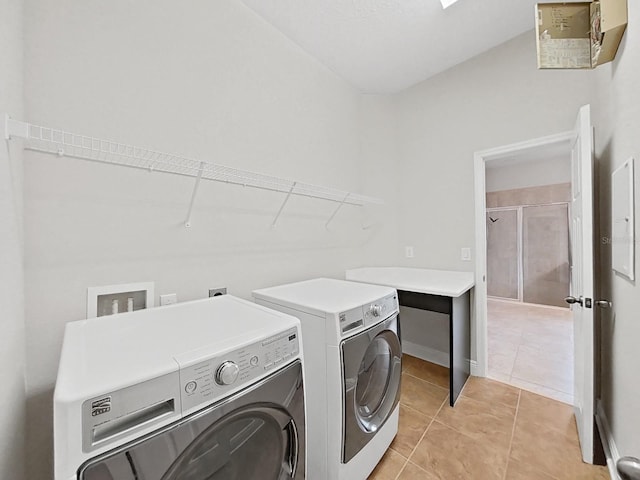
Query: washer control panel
[{"x": 204, "y": 382}]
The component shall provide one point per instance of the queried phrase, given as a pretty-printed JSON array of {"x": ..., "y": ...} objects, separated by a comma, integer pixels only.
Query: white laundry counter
[{"x": 440, "y": 291}]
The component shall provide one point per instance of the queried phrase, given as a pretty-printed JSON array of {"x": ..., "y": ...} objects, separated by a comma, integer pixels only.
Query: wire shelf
[{"x": 59, "y": 142}]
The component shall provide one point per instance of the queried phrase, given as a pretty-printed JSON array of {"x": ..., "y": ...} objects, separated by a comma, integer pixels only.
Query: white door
[{"x": 582, "y": 284}]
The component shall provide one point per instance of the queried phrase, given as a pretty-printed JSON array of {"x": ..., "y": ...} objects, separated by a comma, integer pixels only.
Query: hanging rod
[{"x": 61, "y": 143}]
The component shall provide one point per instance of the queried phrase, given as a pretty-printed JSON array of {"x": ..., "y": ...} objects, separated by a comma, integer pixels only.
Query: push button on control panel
[
  {"x": 254, "y": 360},
  {"x": 190, "y": 387}
]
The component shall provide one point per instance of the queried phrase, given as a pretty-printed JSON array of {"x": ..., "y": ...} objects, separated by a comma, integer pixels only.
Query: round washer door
[{"x": 372, "y": 372}]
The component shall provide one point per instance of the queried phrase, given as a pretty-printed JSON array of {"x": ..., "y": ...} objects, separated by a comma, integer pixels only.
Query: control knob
[
  {"x": 227, "y": 373},
  {"x": 376, "y": 310}
]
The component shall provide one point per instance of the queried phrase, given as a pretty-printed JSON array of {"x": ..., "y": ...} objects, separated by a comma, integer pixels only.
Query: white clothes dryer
[
  {"x": 203, "y": 390},
  {"x": 351, "y": 339}
]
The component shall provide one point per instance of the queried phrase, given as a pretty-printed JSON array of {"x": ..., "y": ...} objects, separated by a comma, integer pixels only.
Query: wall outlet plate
[
  {"x": 168, "y": 299},
  {"x": 215, "y": 292}
]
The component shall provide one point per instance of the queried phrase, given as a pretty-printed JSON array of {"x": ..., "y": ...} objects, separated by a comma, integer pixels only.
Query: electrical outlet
[
  {"x": 465, "y": 254},
  {"x": 408, "y": 252},
  {"x": 216, "y": 292},
  {"x": 168, "y": 299}
]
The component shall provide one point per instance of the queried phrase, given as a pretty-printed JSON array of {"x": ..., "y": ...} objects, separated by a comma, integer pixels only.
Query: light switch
[
  {"x": 465, "y": 254},
  {"x": 408, "y": 252}
]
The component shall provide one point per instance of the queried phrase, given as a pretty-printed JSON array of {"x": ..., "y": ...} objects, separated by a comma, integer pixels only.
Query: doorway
[
  {"x": 529, "y": 342},
  {"x": 583, "y": 293}
]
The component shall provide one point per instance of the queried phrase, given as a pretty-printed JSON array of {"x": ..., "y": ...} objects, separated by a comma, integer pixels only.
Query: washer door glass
[
  {"x": 250, "y": 444},
  {"x": 377, "y": 379}
]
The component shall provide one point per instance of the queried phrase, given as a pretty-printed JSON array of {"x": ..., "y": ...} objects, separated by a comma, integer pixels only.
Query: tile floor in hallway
[
  {"x": 531, "y": 347},
  {"x": 495, "y": 431}
]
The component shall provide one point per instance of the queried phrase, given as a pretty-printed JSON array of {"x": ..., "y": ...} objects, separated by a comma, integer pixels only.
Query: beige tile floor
[
  {"x": 495, "y": 431},
  {"x": 531, "y": 347}
]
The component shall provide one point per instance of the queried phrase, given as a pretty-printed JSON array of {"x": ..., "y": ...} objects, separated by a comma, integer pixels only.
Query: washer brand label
[{"x": 98, "y": 407}]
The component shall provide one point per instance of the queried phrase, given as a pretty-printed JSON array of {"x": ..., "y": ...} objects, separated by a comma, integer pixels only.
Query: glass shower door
[
  {"x": 503, "y": 272},
  {"x": 545, "y": 232}
]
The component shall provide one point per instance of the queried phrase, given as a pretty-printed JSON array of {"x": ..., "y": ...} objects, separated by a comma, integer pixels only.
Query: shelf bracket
[
  {"x": 15, "y": 128},
  {"x": 286, "y": 199},
  {"x": 193, "y": 195},
  {"x": 335, "y": 212}
]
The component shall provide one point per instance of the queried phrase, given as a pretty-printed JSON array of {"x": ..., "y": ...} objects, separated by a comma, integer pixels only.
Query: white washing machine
[
  {"x": 351, "y": 341},
  {"x": 211, "y": 389}
]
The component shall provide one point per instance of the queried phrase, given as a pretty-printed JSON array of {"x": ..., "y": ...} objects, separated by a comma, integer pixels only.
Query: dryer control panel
[
  {"x": 380, "y": 309},
  {"x": 369, "y": 314},
  {"x": 206, "y": 381}
]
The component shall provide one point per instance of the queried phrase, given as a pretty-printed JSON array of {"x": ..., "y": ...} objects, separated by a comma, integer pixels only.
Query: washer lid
[
  {"x": 111, "y": 352},
  {"x": 324, "y": 295}
]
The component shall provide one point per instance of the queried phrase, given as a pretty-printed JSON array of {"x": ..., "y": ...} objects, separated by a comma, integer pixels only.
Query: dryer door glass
[
  {"x": 256, "y": 443},
  {"x": 372, "y": 371},
  {"x": 377, "y": 379},
  {"x": 257, "y": 433}
]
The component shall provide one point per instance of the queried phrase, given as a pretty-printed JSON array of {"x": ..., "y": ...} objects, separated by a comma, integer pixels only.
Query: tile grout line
[
  {"x": 544, "y": 387},
  {"x": 415, "y": 410},
  {"x": 421, "y": 438},
  {"x": 513, "y": 432},
  {"x": 522, "y": 343},
  {"x": 430, "y": 383}
]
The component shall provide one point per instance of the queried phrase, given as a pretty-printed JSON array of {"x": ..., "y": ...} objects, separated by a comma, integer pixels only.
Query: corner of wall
[{"x": 12, "y": 351}]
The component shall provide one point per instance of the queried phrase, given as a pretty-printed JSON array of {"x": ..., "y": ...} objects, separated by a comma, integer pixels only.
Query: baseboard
[
  {"x": 609, "y": 445},
  {"x": 426, "y": 353},
  {"x": 435, "y": 356}
]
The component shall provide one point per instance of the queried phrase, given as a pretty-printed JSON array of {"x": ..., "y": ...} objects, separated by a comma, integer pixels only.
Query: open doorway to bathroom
[{"x": 529, "y": 325}]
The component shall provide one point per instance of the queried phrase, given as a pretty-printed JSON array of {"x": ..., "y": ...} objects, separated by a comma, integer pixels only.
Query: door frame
[
  {"x": 520, "y": 247},
  {"x": 481, "y": 158}
]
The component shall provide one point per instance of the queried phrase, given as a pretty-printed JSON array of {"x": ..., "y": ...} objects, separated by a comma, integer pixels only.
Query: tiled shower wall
[
  {"x": 538, "y": 270},
  {"x": 560, "y": 192}
]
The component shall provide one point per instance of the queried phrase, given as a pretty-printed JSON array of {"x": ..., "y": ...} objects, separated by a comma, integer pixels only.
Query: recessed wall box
[
  {"x": 579, "y": 35},
  {"x": 110, "y": 299}
]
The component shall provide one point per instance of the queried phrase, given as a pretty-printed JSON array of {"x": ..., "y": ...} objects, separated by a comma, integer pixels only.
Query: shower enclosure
[{"x": 528, "y": 253}]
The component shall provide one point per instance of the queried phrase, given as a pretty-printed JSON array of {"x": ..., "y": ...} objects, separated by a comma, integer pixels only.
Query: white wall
[
  {"x": 491, "y": 100},
  {"x": 617, "y": 123},
  {"x": 211, "y": 81},
  {"x": 379, "y": 159},
  {"x": 12, "y": 345},
  {"x": 546, "y": 171}
]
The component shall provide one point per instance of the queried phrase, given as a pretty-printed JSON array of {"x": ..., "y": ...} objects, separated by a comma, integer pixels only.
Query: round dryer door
[
  {"x": 250, "y": 443},
  {"x": 257, "y": 433},
  {"x": 376, "y": 380},
  {"x": 372, "y": 371}
]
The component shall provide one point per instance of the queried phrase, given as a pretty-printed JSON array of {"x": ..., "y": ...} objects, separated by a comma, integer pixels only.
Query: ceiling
[{"x": 385, "y": 46}]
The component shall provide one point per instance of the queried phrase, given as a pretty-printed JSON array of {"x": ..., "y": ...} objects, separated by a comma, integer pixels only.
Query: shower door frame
[{"x": 519, "y": 245}]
